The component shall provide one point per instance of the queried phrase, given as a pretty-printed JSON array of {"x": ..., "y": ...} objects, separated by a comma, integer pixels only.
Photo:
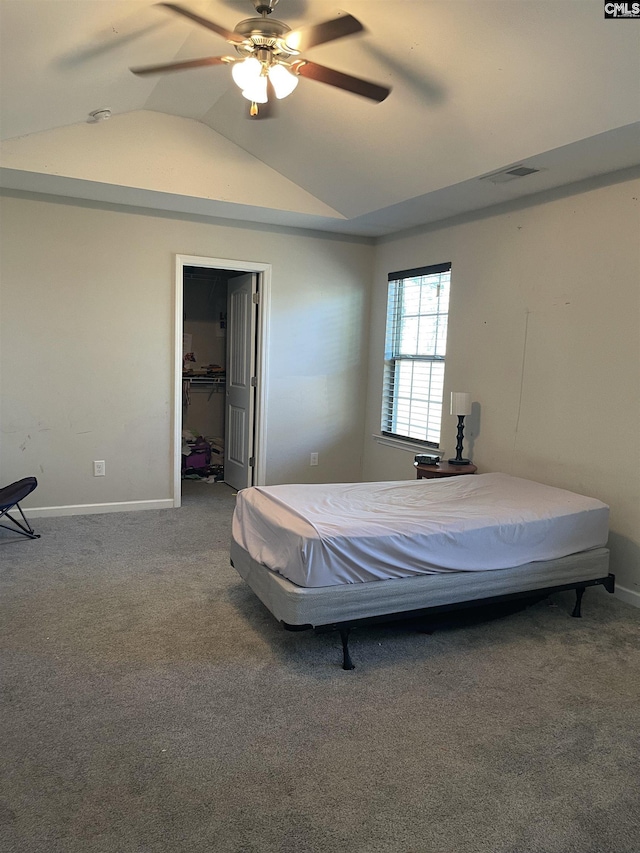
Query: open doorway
[
  {"x": 221, "y": 327},
  {"x": 204, "y": 372}
]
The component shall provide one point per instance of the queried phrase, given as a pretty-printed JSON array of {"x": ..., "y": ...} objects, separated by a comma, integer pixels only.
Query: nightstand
[{"x": 444, "y": 469}]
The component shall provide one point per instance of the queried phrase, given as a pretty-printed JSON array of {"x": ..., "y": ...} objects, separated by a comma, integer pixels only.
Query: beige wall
[
  {"x": 87, "y": 300},
  {"x": 545, "y": 333}
]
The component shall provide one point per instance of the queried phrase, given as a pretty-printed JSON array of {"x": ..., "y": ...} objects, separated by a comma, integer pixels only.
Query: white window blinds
[{"x": 417, "y": 311}]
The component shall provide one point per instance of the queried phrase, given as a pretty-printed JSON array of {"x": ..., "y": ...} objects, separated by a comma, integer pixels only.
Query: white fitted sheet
[{"x": 326, "y": 534}]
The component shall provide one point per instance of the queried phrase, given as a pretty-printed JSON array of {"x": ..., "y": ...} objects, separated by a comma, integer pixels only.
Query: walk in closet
[{"x": 204, "y": 372}]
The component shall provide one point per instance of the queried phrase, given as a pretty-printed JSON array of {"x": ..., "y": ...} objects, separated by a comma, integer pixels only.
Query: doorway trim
[{"x": 262, "y": 351}]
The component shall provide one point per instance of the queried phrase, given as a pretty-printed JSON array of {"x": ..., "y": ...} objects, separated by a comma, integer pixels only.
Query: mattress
[{"x": 320, "y": 535}]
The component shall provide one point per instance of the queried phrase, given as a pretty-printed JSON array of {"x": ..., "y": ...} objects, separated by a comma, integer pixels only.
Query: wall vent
[{"x": 511, "y": 174}]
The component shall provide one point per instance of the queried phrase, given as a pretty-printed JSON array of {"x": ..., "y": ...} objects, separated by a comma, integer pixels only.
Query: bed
[{"x": 334, "y": 556}]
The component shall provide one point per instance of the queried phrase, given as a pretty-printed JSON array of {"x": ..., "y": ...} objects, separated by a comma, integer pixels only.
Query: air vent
[
  {"x": 521, "y": 171},
  {"x": 511, "y": 174}
]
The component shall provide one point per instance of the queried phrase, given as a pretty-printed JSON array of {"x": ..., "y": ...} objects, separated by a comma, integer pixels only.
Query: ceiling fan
[{"x": 268, "y": 57}]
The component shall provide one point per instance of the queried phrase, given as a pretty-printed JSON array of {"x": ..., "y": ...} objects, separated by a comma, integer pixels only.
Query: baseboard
[
  {"x": 93, "y": 509},
  {"x": 629, "y": 596}
]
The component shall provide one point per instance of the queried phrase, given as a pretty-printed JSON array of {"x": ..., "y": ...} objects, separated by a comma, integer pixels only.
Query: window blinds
[{"x": 415, "y": 347}]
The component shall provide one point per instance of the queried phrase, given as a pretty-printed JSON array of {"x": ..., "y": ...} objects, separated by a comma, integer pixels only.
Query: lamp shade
[
  {"x": 283, "y": 81},
  {"x": 460, "y": 403},
  {"x": 257, "y": 91},
  {"x": 247, "y": 72}
]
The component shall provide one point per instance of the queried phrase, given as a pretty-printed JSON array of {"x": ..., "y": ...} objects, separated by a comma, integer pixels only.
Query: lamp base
[{"x": 459, "y": 462}]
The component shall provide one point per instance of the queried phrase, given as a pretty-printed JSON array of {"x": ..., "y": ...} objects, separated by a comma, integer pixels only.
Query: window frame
[{"x": 393, "y": 357}]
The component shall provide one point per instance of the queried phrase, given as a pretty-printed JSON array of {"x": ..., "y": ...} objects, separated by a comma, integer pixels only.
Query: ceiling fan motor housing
[{"x": 259, "y": 33}]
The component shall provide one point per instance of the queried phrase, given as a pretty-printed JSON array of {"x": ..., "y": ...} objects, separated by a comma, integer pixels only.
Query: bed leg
[
  {"x": 579, "y": 594},
  {"x": 347, "y": 663}
]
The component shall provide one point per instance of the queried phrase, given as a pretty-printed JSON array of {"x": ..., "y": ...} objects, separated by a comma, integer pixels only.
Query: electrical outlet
[
  {"x": 98, "y": 468},
  {"x": 314, "y": 459}
]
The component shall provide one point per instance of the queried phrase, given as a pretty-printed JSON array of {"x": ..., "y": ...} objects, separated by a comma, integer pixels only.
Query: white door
[{"x": 240, "y": 390}]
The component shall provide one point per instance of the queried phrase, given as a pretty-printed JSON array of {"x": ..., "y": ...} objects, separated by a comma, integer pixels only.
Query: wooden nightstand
[{"x": 444, "y": 469}]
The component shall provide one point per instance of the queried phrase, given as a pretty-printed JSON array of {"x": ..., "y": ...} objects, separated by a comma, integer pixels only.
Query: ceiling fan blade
[
  {"x": 340, "y": 80},
  {"x": 229, "y": 35},
  {"x": 181, "y": 66},
  {"x": 306, "y": 37}
]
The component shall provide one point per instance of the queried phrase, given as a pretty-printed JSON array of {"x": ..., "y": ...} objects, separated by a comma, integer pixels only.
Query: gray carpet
[{"x": 151, "y": 704}]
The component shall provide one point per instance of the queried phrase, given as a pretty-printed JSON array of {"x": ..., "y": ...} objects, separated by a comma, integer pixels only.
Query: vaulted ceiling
[{"x": 478, "y": 87}]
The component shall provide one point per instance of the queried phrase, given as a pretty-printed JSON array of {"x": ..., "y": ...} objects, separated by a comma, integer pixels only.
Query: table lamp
[{"x": 460, "y": 406}]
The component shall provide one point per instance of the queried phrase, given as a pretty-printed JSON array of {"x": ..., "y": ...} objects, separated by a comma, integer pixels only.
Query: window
[{"x": 417, "y": 311}]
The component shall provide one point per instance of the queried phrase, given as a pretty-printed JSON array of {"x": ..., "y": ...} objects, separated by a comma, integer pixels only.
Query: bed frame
[{"x": 346, "y": 606}]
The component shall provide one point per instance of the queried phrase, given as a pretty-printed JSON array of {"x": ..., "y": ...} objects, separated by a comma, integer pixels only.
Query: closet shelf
[
  {"x": 213, "y": 383},
  {"x": 215, "y": 379}
]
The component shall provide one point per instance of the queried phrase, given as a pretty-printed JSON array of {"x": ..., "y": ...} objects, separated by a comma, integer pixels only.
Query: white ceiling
[{"x": 478, "y": 86}]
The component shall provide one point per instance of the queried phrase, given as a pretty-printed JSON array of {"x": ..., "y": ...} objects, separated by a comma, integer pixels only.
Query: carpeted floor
[{"x": 150, "y": 704}]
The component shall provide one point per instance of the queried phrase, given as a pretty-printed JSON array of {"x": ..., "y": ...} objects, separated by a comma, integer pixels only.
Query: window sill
[{"x": 412, "y": 447}]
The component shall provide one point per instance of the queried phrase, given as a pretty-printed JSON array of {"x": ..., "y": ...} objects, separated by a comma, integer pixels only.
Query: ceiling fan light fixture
[
  {"x": 282, "y": 80},
  {"x": 247, "y": 73}
]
